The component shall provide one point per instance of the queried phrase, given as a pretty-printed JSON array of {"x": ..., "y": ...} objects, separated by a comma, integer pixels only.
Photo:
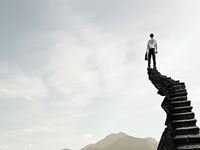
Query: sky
[{"x": 73, "y": 71}]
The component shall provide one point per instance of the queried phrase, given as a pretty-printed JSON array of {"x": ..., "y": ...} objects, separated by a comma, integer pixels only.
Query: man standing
[{"x": 152, "y": 50}]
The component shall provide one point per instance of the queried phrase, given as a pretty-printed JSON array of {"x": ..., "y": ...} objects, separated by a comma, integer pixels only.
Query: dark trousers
[{"x": 152, "y": 54}]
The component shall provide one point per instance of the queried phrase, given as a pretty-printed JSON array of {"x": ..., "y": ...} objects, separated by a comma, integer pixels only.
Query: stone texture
[{"x": 181, "y": 132}]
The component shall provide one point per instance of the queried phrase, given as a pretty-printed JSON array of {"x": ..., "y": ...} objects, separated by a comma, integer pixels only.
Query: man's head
[{"x": 151, "y": 35}]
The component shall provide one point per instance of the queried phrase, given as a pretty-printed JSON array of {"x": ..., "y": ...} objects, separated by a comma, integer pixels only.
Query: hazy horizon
[{"x": 73, "y": 71}]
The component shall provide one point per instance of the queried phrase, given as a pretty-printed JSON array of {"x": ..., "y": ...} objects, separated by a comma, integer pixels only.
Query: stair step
[
  {"x": 178, "y": 86},
  {"x": 184, "y": 123},
  {"x": 189, "y": 147},
  {"x": 178, "y": 94},
  {"x": 187, "y": 139},
  {"x": 183, "y": 116},
  {"x": 166, "y": 83},
  {"x": 180, "y": 83},
  {"x": 174, "y": 83},
  {"x": 179, "y": 98},
  {"x": 182, "y": 109},
  {"x": 187, "y": 130},
  {"x": 181, "y": 103},
  {"x": 178, "y": 90},
  {"x": 166, "y": 79},
  {"x": 163, "y": 76}
]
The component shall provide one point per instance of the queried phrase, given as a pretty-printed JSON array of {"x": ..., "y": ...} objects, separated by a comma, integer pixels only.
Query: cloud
[
  {"x": 22, "y": 87},
  {"x": 71, "y": 72}
]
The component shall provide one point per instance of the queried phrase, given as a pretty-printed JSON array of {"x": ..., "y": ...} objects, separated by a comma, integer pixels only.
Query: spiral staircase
[{"x": 181, "y": 132}]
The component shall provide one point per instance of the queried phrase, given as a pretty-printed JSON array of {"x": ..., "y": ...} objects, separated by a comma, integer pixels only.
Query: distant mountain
[{"x": 122, "y": 141}]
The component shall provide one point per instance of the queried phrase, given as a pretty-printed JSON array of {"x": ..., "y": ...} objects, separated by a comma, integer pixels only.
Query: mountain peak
[
  {"x": 118, "y": 141},
  {"x": 116, "y": 135}
]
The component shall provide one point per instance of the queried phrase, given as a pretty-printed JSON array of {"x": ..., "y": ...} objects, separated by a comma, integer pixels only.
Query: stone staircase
[{"x": 181, "y": 122}]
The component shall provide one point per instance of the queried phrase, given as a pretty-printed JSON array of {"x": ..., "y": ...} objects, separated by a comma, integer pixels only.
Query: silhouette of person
[{"x": 152, "y": 51}]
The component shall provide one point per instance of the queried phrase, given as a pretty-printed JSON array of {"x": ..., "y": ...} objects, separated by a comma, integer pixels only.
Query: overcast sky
[{"x": 73, "y": 71}]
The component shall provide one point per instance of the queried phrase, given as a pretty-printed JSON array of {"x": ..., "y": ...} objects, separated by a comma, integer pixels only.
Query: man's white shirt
[{"x": 151, "y": 44}]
